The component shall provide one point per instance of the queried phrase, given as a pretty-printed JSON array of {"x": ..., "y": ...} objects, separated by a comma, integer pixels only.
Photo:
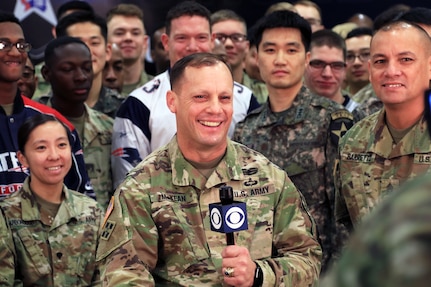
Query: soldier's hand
[{"x": 237, "y": 267}]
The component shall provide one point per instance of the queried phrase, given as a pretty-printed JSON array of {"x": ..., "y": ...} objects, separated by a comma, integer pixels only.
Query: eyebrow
[
  {"x": 406, "y": 53},
  {"x": 295, "y": 44}
]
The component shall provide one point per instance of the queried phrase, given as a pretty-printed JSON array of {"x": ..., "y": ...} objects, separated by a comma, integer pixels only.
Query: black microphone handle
[{"x": 230, "y": 240}]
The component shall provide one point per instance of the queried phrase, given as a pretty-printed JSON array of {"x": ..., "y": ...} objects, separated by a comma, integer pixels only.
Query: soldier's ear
[
  {"x": 45, "y": 72},
  {"x": 22, "y": 159},
  {"x": 171, "y": 98}
]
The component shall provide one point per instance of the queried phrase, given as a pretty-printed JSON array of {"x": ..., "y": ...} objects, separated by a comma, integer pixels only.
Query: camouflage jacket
[
  {"x": 61, "y": 253},
  {"x": 303, "y": 141},
  {"x": 7, "y": 253},
  {"x": 258, "y": 88},
  {"x": 371, "y": 165},
  {"x": 96, "y": 144},
  {"x": 157, "y": 229},
  {"x": 364, "y": 94},
  {"x": 391, "y": 247},
  {"x": 109, "y": 101}
]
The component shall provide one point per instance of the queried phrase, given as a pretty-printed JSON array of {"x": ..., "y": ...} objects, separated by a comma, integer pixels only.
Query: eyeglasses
[
  {"x": 22, "y": 47},
  {"x": 363, "y": 57},
  {"x": 236, "y": 38},
  {"x": 320, "y": 65}
]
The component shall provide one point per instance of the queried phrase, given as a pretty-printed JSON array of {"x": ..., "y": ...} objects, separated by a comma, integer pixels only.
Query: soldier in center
[{"x": 295, "y": 129}]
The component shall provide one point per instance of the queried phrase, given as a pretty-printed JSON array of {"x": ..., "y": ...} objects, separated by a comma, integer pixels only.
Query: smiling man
[
  {"x": 144, "y": 122},
  {"x": 326, "y": 68},
  {"x": 387, "y": 148},
  {"x": 126, "y": 29},
  {"x": 158, "y": 231},
  {"x": 16, "y": 108}
]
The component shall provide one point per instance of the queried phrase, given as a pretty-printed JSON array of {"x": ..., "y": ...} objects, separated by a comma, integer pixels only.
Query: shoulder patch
[
  {"x": 341, "y": 122},
  {"x": 108, "y": 210},
  {"x": 107, "y": 230}
]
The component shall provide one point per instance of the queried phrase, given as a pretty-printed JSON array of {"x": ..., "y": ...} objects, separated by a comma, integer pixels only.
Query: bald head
[{"x": 400, "y": 26}]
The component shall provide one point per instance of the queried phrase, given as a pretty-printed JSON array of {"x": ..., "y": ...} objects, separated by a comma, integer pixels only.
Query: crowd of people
[{"x": 108, "y": 170}]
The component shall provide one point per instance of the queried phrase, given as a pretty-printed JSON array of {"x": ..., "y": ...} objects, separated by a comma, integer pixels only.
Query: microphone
[{"x": 228, "y": 216}]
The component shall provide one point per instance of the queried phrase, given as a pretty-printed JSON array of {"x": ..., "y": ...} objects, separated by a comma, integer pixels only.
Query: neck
[
  {"x": 133, "y": 71},
  {"x": 238, "y": 74},
  {"x": 50, "y": 193},
  {"x": 338, "y": 98},
  {"x": 400, "y": 119},
  {"x": 356, "y": 87},
  {"x": 68, "y": 109},
  {"x": 201, "y": 155},
  {"x": 282, "y": 99},
  {"x": 7, "y": 92},
  {"x": 96, "y": 87}
]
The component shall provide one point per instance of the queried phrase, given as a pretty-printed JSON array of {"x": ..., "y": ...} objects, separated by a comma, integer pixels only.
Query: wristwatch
[{"x": 258, "y": 277}]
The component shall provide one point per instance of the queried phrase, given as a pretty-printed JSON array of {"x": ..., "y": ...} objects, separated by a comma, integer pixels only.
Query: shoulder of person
[
  {"x": 155, "y": 86},
  {"x": 101, "y": 117},
  {"x": 240, "y": 89}
]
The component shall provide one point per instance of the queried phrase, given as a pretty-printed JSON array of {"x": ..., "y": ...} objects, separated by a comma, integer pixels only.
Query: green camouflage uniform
[
  {"x": 364, "y": 94},
  {"x": 392, "y": 246},
  {"x": 96, "y": 145},
  {"x": 371, "y": 165},
  {"x": 303, "y": 141},
  {"x": 43, "y": 87},
  {"x": 258, "y": 88},
  {"x": 7, "y": 253},
  {"x": 57, "y": 253},
  {"x": 127, "y": 89},
  {"x": 158, "y": 233},
  {"x": 109, "y": 101},
  {"x": 369, "y": 107}
]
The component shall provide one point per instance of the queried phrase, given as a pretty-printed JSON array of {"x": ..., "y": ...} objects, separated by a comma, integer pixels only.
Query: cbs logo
[{"x": 234, "y": 218}]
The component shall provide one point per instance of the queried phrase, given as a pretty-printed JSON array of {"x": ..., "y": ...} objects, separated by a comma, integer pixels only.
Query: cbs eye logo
[{"x": 234, "y": 218}]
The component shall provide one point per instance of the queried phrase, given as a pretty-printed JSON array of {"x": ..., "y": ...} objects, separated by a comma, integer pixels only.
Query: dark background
[{"x": 38, "y": 31}]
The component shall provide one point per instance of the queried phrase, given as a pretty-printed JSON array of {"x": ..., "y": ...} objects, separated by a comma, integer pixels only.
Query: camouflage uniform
[
  {"x": 43, "y": 87},
  {"x": 258, "y": 88},
  {"x": 158, "y": 231},
  {"x": 392, "y": 247},
  {"x": 369, "y": 107},
  {"x": 364, "y": 94},
  {"x": 127, "y": 89},
  {"x": 7, "y": 253},
  {"x": 109, "y": 101},
  {"x": 54, "y": 253},
  {"x": 303, "y": 141},
  {"x": 96, "y": 145},
  {"x": 371, "y": 165}
]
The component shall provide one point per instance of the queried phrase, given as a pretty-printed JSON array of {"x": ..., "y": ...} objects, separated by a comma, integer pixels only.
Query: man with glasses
[
  {"x": 231, "y": 29},
  {"x": 326, "y": 68},
  {"x": 16, "y": 108},
  {"x": 358, "y": 52},
  {"x": 295, "y": 129}
]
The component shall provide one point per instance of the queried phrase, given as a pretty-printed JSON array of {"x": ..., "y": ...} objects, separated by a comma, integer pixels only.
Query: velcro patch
[{"x": 107, "y": 230}]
